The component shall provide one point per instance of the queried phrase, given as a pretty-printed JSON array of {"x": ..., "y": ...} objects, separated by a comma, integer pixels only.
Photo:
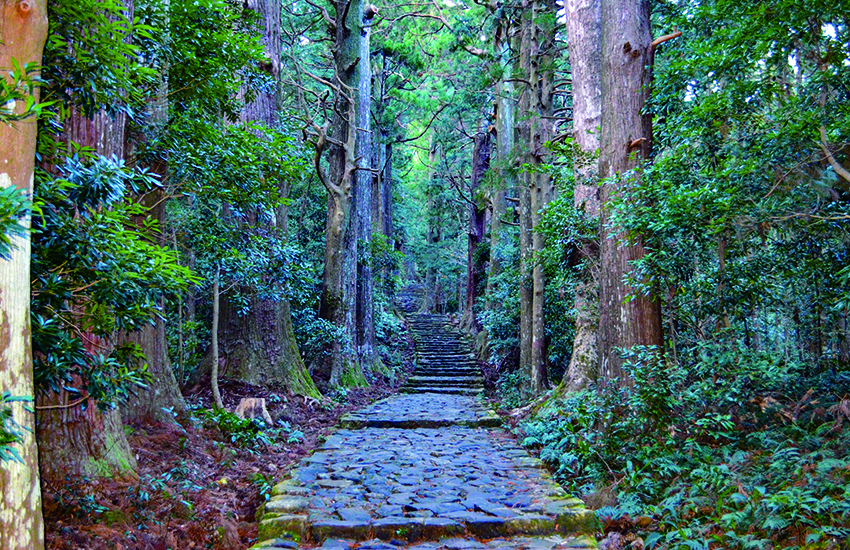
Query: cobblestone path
[{"x": 428, "y": 469}]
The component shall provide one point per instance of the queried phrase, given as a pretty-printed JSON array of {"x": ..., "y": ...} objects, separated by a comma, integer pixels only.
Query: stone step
[
  {"x": 434, "y": 389},
  {"x": 462, "y": 382},
  {"x": 550, "y": 542},
  {"x": 449, "y": 374},
  {"x": 448, "y": 369},
  {"x": 448, "y": 362}
]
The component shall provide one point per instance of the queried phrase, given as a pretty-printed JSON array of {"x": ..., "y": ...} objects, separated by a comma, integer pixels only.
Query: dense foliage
[
  {"x": 157, "y": 188},
  {"x": 734, "y": 435}
]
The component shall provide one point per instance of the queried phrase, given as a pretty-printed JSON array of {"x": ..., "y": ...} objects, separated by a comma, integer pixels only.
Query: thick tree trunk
[
  {"x": 339, "y": 295},
  {"x": 162, "y": 397},
  {"x": 526, "y": 285},
  {"x": 260, "y": 346},
  {"x": 584, "y": 34},
  {"x": 542, "y": 191},
  {"x": 75, "y": 438},
  {"x": 625, "y": 144},
  {"x": 526, "y": 246},
  {"x": 387, "y": 194},
  {"x": 503, "y": 150},
  {"x": 23, "y": 32},
  {"x": 163, "y": 392},
  {"x": 377, "y": 179},
  {"x": 367, "y": 343},
  {"x": 349, "y": 297},
  {"x": 332, "y": 307},
  {"x": 77, "y": 441},
  {"x": 475, "y": 233}
]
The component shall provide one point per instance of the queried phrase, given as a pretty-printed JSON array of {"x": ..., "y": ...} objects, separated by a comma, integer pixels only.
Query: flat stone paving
[
  {"x": 425, "y": 410},
  {"x": 424, "y": 471}
]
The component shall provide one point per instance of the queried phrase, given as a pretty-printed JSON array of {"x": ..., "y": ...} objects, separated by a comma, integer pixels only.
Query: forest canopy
[{"x": 637, "y": 210}]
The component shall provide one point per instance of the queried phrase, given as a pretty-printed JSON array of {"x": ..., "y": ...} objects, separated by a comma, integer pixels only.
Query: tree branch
[
  {"x": 840, "y": 170},
  {"x": 661, "y": 39},
  {"x": 325, "y": 15}
]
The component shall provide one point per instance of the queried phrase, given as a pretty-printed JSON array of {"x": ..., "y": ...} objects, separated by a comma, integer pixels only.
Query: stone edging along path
[{"x": 427, "y": 468}]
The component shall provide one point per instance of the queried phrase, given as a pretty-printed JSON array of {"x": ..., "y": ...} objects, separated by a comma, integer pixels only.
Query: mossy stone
[{"x": 292, "y": 527}]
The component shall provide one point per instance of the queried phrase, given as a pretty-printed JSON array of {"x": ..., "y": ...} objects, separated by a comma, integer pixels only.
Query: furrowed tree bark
[
  {"x": 23, "y": 31},
  {"x": 367, "y": 343},
  {"x": 260, "y": 346},
  {"x": 477, "y": 222},
  {"x": 339, "y": 301},
  {"x": 162, "y": 398},
  {"x": 503, "y": 150},
  {"x": 526, "y": 246},
  {"x": 81, "y": 439},
  {"x": 626, "y": 318},
  {"x": 541, "y": 190},
  {"x": 584, "y": 33},
  {"x": 387, "y": 194}
]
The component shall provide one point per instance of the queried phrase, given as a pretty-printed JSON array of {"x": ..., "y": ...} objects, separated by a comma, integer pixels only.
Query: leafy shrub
[
  {"x": 243, "y": 432},
  {"x": 511, "y": 393},
  {"x": 708, "y": 458}
]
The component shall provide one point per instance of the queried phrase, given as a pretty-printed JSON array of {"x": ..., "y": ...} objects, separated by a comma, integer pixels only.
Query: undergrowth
[
  {"x": 247, "y": 433},
  {"x": 736, "y": 450}
]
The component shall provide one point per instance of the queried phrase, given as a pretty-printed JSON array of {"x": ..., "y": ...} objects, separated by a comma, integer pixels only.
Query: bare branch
[
  {"x": 840, "y": 170},
  {"x": 325, "y": 15},
  {"x": 661, "y": 39},
  {"x": 427, "y": 126}
]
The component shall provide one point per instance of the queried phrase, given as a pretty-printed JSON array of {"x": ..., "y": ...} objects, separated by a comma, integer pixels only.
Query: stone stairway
[
  {"x": 445, "y": 360},
  {"x": 425, "y": 470}
]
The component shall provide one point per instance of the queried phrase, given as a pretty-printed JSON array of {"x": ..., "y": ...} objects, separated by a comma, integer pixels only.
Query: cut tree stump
[{"x": 254, "y": 407}]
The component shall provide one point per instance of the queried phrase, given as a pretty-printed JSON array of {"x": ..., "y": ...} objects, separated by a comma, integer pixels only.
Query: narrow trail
[{"x": 429, "y": 469}]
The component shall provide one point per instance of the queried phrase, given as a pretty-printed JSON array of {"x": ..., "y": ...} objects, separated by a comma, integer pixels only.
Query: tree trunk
[
  {"x": 526, "y": 297},
  {"x": 475, "y": 233},
  {"x": 367, "y": 344},
  {"x": 260, "y": 346},
  {"x": 81, "y": 441},
  {"x": 584, "y": 34},
  {"x": 504, "y": 148},
  {"x": 625, "y": 143},
  {"x": 542, "y": 191},
  {"x": 216, "y": 296},
  {"x": 339, "y": 298},
  {"x": 23, "y": 31},
  {"x": 431, "y": 303},
  {"x": 332, "y": 307},
  {"x": 162, "y": 398},
  {"x": 75, "y": 436},
  {"x": 387, "y": 194},
  {"x": 526, "y": 246}
]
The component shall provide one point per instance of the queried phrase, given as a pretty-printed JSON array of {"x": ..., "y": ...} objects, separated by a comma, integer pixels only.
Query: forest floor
[{"x": 197, "y": 486}]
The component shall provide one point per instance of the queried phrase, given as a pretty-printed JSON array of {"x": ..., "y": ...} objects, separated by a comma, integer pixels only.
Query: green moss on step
[
  {"x": 577, "y": 522},
  {"x": 292, "y": 527}
]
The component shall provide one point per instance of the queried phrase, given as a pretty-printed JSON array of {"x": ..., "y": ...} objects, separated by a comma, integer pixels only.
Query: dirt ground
[{"x": 196, "y": 486}]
